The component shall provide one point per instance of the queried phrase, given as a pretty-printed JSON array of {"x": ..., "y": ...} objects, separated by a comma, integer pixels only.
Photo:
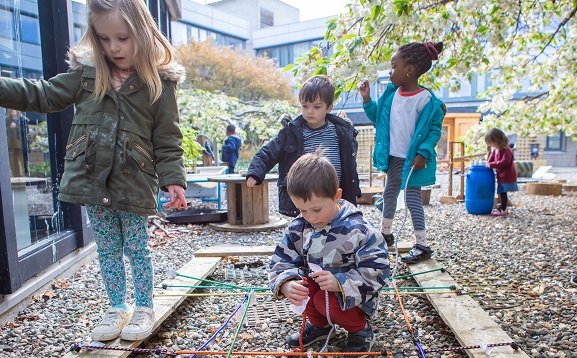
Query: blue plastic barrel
[{"x": 480, "y": 190}]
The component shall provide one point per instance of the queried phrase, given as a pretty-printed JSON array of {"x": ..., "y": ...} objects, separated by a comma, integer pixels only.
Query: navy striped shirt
[{"x": 324, "y": 137}]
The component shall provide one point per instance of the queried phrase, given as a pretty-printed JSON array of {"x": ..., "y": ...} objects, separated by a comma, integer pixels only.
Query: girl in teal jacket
[{"x": 408, "y": 121}]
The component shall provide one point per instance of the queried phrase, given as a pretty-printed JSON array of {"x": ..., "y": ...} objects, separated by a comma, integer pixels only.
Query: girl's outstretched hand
[
  {"x": 176, "y": 196},
  {"x": 365, "y": 91},
  {"x": 420, "y": 162},
  {"x": 326, "y": 281}
]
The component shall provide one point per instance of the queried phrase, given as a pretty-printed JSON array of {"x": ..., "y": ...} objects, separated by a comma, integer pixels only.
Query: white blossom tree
[
  {"x": 204, "y": 112},
  {"x": 528, "y": 45}
]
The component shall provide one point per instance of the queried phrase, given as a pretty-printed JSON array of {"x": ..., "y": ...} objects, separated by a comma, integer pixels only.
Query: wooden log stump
[
  {"x": 426, "y": 196},
  {"x": 367, "y": 193},
  {"x": 572, "y": 188},
  {"x": 544, "y": 188}
]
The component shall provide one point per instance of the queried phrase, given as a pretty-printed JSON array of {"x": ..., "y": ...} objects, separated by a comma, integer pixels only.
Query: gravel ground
[{"x": 517, "y": 268}]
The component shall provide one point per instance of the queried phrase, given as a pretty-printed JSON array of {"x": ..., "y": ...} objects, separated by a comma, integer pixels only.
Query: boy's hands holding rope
[
  {"x": 326, "y": 281},
  {"x": 296, "y": 291}
]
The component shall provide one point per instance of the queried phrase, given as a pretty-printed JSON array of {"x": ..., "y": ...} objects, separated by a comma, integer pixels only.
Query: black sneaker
[
  {"x": 360, "y": 341},
  {"x": 412, "y": 258},
  {"x": 311, "y": 335},
  {"x": 574, "y": 281},
  {"x": 389, "y": 239}
]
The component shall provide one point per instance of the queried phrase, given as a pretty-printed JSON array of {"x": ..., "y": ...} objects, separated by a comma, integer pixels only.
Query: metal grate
[
  {"x": 234, "y": 273},
  {"x": 273, "y": 311}
]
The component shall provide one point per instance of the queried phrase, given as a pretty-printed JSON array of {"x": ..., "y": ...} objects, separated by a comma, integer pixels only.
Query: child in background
[
  {"x": 16, "y": 133},
  {"x": 501, "y": 159},
  {"x": 314, "y": 129},
  {"x": 351, "y": 253},
  {"x": 124, "y": 143},
  {"x": 231, "y": 148},
  {"x": 408, "y": 120}
]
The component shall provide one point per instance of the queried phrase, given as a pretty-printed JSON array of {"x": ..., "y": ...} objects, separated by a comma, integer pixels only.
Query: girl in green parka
[
  {"x": 408, "y": 120},
  {"x": 125, "y": 143}
]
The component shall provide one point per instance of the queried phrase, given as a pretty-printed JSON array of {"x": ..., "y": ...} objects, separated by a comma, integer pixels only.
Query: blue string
[
  {"x": 419, "y": 348},
  {"x": 221, "y": 327}
]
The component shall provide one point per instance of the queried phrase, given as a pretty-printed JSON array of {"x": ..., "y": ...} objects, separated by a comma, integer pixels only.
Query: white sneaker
[
  {"x": 140, "y": 325},
  {"x": 114, "y": 320}
]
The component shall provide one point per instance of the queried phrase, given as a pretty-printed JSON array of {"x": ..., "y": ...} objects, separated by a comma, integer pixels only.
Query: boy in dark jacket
[
  {"x": 315, "y": 128},
  {"x": 231, "y": 147}
]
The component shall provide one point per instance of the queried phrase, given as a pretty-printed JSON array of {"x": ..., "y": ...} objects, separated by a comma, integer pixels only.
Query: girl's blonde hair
[
  {"x": 496, "y": 138},
  {"x": 151, "y": 47}
]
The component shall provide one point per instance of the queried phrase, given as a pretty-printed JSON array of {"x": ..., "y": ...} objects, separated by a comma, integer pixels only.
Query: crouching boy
[{"x": 352, "y": 255}]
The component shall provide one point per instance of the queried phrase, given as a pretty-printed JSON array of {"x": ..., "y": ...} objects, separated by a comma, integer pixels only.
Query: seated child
[{"x": 333, "y": 234}]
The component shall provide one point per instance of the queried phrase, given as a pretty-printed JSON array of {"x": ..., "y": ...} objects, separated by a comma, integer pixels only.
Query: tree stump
[
  {"x": 367, "y": 193},
  {"x": 544, "y": 188}
]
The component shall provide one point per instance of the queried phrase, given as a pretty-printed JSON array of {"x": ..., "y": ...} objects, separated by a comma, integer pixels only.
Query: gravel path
[{"x": 518, "y": 268}]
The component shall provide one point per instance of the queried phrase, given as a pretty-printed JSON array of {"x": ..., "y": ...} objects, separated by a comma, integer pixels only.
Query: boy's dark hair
[
  {"x": 312, "y": 174},
  {"x": 420, "y": 55},
  {"x": 497, "y": 138},
  {"x": 318, "y": 87},
  {"x": 231, "y": 128}
]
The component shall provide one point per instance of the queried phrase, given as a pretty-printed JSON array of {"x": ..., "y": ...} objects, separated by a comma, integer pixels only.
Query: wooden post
[
  {"x": 461, "y": 195},
  {"x": 371, "y": 166},
  {"x": 451, "y": 162},
  {"x": 449, "y": 199}
]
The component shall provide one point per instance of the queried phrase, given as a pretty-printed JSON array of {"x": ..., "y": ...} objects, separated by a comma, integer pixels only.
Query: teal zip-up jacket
[{"x": 427, "y": 135}]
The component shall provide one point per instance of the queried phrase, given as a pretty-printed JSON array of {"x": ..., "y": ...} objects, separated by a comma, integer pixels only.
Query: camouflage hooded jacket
[
  {"x": 121, "y": 149},
  {"x": 349, "y": 247}
]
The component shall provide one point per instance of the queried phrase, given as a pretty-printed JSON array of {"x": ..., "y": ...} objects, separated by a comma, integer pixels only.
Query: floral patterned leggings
[{"x": 117, "y": 233}]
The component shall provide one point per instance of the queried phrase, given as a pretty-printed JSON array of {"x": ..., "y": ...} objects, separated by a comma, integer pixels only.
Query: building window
[
  {"x": 382, "y": 84},
  {"x": 555, "y": 143},
  {"x": 6, "y": 25},
  {"x": 30, "y": 30},
  {"x": 266, "y": 18}
]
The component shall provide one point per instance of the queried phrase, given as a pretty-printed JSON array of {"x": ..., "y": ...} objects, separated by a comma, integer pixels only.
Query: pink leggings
[{"x": 351, "y": 320}]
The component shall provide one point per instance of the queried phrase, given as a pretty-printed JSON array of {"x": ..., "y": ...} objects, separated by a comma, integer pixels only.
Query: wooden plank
[
  {"x": 238, "y": 250},
  {"x": 265, "y": 207},
  {"x": 468, "y": 321},
  {"x": 231, "y": 203},
  {"x": 247, "y": 209},
  {"x": 199, "y": 267},
  {"x": 258, "y": 200},
  {"x": 235, "y": 250}
]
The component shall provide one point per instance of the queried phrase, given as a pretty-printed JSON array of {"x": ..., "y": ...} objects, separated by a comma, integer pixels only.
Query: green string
[
  {"x": 420, "y": 273},
  {"x": 452, "y": 287},
  {"x": 215, "y": 282},
  {"x": 250, "y": 293},
  {"x": 258, "y": 289}
]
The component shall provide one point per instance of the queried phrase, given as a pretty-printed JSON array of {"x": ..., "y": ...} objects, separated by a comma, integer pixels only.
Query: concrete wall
[
  {"x": 214, "y": 19},
  {"x": 250, "y": 10},
  {"x": 566, "y": 158},
  {"x": 290, "y": 33}
]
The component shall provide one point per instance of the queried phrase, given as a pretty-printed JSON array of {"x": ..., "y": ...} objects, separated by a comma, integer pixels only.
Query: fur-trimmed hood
[{"x": 79, "y": 57}]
